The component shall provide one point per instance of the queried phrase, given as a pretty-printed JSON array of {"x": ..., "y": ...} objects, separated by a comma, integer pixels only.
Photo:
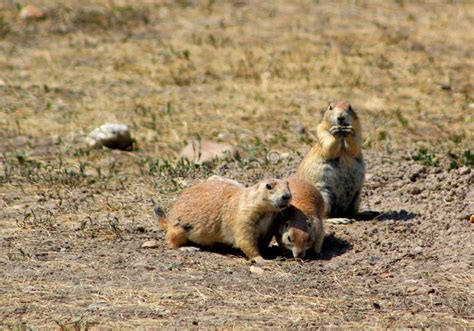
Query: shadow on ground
[
  {"x": 392, "y": 215},
  {"x": 396, "y": 215}
]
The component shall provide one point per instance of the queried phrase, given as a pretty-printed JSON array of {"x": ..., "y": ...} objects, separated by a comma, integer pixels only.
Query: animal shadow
[
  {"x": 392, "y": 215},
  {"x": 333, "y": 246},
  {"x": 396, "y": 215},
  {"x": 221, "y": 249},
  {"x": 268, "y": 253}
]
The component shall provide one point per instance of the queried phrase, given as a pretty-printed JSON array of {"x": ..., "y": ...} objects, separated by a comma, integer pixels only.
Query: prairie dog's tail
[{"x": 161, "y": 217}]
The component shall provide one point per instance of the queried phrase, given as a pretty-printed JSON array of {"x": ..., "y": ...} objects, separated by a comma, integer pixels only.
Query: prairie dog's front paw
[
  {"x": 259, "y": 260},
  {"x": 341, "y": 130},
  {"x": 334, "y": 130},
  {"x": 339, "y": 221},
  {"x": 347, "y": 129}
]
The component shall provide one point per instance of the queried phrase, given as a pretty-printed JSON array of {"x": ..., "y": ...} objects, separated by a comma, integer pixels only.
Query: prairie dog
[
  {"x": 301, "y": 224},
  {"x": 335, "y": 164},
  {"x": 224, "y": 212}
]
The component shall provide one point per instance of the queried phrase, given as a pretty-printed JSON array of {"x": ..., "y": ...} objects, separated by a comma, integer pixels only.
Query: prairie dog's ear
[
  {"x": 324, "y": 110},
  {"x": 352, "y": 111}
]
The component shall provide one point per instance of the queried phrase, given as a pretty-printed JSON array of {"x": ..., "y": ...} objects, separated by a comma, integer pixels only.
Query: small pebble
[
  {"x": 31, "y": 12},
  {"x": 415, "y": 190},
  {"x": 446, "y": 87},
  {"x": 299, "y": 128},
  {"x": 417, "y": 250},
  {"x": 256, "y": 270},
  {"x": 464, "y": 170}
]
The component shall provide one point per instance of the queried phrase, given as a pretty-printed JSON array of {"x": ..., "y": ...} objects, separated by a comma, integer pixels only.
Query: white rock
[
  {"x": 204, "y": 150},
  {"x": 150, "y": 244},
  {"x": 97, "y": 305},
  {"x": 111, "y": 135}
]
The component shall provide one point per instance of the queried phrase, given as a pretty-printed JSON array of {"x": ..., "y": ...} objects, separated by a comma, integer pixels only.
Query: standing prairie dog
[
  {"x": 300, "y": 226},
  {"x": 335, "y": 164},
  {"x": 224, "y": 212}
]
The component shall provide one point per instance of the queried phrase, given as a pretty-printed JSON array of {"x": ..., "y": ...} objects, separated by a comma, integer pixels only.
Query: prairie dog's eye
[
  {"x": 287, "y": 226},
  {"x": 269, "y": 186},
  {"x": 330, "y": 107},
  {"x": 309, "y": 224},
  {"x": 289, "y": 238}
]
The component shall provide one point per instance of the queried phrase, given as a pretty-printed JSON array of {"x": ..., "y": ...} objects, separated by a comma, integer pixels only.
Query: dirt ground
[{"x": 256, "y": 75}]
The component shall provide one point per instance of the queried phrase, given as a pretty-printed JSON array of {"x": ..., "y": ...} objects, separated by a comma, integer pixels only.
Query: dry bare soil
[{"x": 256, "y": 75}]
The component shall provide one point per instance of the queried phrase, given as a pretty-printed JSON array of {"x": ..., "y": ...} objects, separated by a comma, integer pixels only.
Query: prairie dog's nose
[
  {"x": 286, "y": 196},
  {"x": 341, "y": 118},
  {"x": 298, "y": 254}
]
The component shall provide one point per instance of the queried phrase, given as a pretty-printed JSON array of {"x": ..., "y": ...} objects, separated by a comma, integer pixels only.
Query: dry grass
[
  {"x": 243, "y": 72},
  {"x": 237, "y": 71}
]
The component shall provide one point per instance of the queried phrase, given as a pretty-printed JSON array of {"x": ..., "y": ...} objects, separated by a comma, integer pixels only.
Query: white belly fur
[{"x": 265, "y": 223}]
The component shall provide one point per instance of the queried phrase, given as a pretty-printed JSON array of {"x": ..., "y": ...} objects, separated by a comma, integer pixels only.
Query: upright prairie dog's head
[
  {"x": 340, "y": 114},
  {"x": 271, "y": 194},
  {"x": 297, "y": 236}
]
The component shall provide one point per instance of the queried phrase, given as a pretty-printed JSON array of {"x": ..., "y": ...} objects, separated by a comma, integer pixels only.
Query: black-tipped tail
[
  {"x": 161, "y": 217},
  {"x": 159, "y": 211}
]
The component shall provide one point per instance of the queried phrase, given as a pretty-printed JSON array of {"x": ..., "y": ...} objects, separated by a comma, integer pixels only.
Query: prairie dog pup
[
  {"x": 335, "y": 164},
  {"x": 301, "y": 224},
  {"x": 223, "y": 212}
]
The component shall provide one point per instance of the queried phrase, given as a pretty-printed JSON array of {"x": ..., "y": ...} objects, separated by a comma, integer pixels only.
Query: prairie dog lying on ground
[
  {"x": 300, "y": 226},
  {"x": 335, "y": 164},
  {"x": 223, "y": 212}
]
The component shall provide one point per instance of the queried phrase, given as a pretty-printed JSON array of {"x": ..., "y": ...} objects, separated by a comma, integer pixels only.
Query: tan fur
[
  {"x": 163, "y": 223},
  {"x": 301, "y": 225},
  {"x": 225, "y": 212},
  {"x": 335, "y": 164}
]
